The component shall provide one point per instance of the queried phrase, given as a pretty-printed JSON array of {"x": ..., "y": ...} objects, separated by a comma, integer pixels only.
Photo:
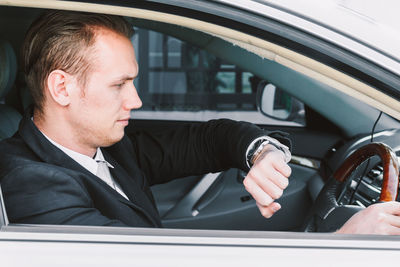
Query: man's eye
[{"x": 119, "y": 85}]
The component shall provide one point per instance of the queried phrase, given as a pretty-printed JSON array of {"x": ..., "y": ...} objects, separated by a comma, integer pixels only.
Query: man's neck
[{"x": 53, "y": 128}]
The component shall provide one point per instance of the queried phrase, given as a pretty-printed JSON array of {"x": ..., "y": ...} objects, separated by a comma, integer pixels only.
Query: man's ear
[{"x": 57, "y": 84}]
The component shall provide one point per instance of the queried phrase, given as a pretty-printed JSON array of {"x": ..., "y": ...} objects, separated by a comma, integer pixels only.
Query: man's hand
[
  {"x": 267, "y": 179},
  {"x": 382, "y": 219}
]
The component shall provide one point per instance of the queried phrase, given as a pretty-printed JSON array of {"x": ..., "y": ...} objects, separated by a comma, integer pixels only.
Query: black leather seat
[{"x": 9, "y": 116}]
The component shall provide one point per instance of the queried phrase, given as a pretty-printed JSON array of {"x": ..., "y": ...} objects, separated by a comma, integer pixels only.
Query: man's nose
[{"x": 132, "y": 99}]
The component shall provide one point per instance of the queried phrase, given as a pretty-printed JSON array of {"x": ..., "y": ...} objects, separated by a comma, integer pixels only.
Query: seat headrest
[{"x": 8, "y": 67}]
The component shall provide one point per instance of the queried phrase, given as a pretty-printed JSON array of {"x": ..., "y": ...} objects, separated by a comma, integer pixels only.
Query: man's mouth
[{"x": 124, "y": 121}]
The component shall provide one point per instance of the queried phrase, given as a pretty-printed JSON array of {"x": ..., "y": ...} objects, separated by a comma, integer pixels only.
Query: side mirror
[{"x": 276, "y": 103}]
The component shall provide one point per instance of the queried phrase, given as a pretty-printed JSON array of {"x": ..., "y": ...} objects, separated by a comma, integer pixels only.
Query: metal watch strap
[{"x": 258, "y": 145}]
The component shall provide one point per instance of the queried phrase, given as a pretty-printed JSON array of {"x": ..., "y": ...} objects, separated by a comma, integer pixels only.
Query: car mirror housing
[{"x": 278, "y": 104}]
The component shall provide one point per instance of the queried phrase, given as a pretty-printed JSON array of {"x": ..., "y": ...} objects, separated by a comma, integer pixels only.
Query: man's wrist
[{"x": 255, "y": 149}]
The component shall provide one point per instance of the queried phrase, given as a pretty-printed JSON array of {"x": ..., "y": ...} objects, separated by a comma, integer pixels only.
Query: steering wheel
[{"x": 327, "y": 215}]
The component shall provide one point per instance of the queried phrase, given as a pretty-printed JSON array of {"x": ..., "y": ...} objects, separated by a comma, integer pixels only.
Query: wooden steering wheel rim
[{"x": 390, "y": 164}]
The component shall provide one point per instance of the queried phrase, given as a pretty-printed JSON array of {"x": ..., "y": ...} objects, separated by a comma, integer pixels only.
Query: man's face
[{"x": 101, "y": 110}]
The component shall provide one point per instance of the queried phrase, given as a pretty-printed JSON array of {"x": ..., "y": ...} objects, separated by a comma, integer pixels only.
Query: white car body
[{"x": 44, "y": 245}]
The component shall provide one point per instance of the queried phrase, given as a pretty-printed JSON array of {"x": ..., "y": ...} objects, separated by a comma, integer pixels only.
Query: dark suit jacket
[{"x": 43, "y": 185}]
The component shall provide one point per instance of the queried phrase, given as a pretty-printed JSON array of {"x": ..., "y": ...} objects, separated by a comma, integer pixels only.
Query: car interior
[{"x": 330, "y": 123}]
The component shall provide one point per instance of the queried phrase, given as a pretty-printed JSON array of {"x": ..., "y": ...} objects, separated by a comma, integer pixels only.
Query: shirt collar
[
  {"x": 87, "y": 162},
  {"x": 99, "y": 157}
]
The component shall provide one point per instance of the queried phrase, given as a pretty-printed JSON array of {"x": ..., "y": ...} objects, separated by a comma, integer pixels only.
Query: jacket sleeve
[
  {"x": 196, "y": 148},
  {"x": 49, "y": 198}
]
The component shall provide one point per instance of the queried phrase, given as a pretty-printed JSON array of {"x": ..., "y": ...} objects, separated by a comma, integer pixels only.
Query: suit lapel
[
  {"x": 49, "y": 153},
  {"x": 132, "y": 189}
]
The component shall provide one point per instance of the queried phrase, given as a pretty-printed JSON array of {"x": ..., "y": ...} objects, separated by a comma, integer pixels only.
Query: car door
[{"x": 182, "y": 81}]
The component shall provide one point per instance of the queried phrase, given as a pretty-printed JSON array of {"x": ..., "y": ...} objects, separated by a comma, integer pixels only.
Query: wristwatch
[{"x": 257, "y": 146}]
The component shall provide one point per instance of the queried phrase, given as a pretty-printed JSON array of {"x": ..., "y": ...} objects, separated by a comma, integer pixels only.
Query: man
[{"x": 71, "y": 163}]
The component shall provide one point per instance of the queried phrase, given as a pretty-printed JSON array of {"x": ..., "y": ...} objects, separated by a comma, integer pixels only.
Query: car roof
[
  {"x": 371, "y": 22},
  {"x": 366, "y": 27}
]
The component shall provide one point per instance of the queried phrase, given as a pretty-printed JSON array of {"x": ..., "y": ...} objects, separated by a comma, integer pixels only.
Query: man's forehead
[{"x": 112, "y": 50}]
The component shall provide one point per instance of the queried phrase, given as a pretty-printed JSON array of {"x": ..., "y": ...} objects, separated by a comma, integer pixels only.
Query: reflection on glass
[
  {"x": 246, "y": 85},
  {"x": 174, "y": 52},
  {"x": 180, "y": 77},
  {"x": 167, "y": 82},
  {"x": 227, "y": 82},
  {"x": 155, "y": 49}
]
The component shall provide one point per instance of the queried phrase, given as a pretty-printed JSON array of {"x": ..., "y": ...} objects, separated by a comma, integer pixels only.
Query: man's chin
[{"x": 111, "y": 140}]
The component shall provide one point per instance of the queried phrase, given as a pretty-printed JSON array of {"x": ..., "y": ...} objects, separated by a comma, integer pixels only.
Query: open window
[{"x": 183, "y": 77}]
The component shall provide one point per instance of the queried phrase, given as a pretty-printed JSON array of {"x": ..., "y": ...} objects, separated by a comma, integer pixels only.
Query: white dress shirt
[{"x": 93, "y": 165}]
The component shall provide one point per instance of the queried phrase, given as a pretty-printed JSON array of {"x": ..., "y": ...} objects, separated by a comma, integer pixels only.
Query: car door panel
[
  {"x": 225, "y": 204},
  {"x": 220, "y": 201},
  {"x": 308, "y": 143}
]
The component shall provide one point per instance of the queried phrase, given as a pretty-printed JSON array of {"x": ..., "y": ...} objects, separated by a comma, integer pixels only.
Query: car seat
[{"x": 9, "y": 116}]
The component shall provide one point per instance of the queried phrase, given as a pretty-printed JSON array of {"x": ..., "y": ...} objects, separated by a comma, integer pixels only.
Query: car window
[{"x": 180, "y": 81}]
